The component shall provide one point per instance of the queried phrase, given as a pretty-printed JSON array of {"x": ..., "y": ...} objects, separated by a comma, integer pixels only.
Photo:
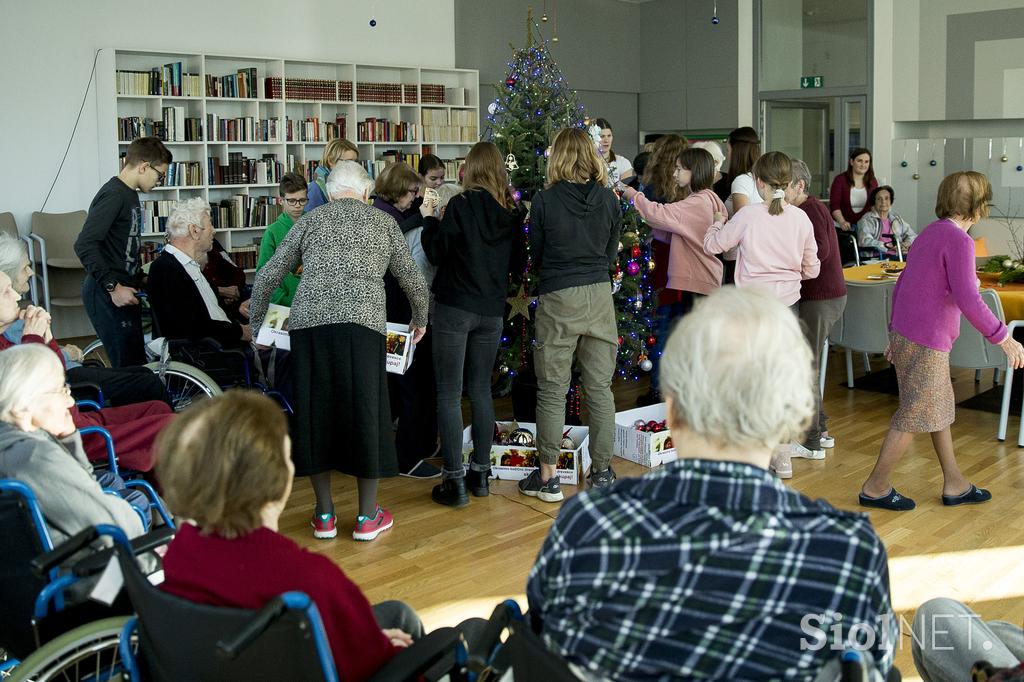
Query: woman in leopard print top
[{"x": 342, "y": 417}]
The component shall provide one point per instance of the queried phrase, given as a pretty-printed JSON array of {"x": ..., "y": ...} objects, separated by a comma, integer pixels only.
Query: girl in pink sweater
[
  {"x": 776, "y": 241},
  {"x": 683, "y": 223}
]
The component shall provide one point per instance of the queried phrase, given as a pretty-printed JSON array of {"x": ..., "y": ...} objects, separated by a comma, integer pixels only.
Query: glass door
[{"x": 800, "y": 129}]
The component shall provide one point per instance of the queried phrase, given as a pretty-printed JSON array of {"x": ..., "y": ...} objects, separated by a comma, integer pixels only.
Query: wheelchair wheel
[
  {"x": 88, "y": 652},
  {"x": 94, "y": 355},
  {"x": 185, "y": 384}
]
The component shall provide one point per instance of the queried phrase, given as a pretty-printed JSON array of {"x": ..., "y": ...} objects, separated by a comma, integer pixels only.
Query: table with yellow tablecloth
[{"x": 1011, "y": 296}]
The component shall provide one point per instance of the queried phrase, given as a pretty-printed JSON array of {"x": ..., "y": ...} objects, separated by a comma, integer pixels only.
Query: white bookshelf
[{"x": 111, "y": 106}]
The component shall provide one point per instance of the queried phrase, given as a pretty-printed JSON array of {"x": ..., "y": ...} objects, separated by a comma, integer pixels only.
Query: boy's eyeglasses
[
  {"x": 160, "y": 176},
  {"x": 296, "y": 202}
]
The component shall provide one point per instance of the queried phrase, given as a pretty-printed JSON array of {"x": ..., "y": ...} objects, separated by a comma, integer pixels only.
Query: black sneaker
[
  {"x": 451, "y": 492},
  {"x": 601, "y": 479},
  {"x": 476, "y": 482},
  {"x": 545, "y": 491},
  {"x": 422, "y": 469}
]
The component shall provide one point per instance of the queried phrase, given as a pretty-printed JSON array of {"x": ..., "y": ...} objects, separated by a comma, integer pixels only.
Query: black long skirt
[{"x": 342, "y": 419}]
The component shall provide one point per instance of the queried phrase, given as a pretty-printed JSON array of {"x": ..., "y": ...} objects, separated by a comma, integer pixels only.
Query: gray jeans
[
  {"x": 948, "y": 638},
  {"x": 818, "y": 318},
  {"x": 580, "y": 320},
  {"x": 464, "y": 340}
]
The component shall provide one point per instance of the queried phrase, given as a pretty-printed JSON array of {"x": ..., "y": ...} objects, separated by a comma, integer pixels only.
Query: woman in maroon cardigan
[
  {"x": 226, "y": 465},
  {"x": 848, "y": 198}
]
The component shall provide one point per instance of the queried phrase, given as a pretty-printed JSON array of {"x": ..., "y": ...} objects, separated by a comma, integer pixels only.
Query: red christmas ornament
[
  {"x": 620, "y": 340},
  {"x": 651, "y": 341},
  {"x": 510, "y": 82},
  {"x": 636, "y": 251},
  {"x": 652, "y": 425}
]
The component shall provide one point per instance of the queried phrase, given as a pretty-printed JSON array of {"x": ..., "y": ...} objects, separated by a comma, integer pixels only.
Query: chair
[
  {"x": 285, "y": 640},
  {"x": 849, "y": 252},
  {"x": 864, "y": 326},
  {"x": 1004, "y": 410},
  {"x": 34, "y": 598},
  {"x": 53, "y": 236},
  {"x": 9, "y": 225},
  {"x": 971, "y": 350},
  {"x": 523, "y": 652}
]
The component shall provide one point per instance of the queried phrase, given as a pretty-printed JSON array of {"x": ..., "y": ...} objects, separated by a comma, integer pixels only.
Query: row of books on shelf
[
  {"x": 241, "y": 170},
  {"x": 275, "y": 87},
  {"x": 243, "y": 84},
  {"x": 245, "y": 211},
  {"x": 239, "y": 211},
  {"x": 168, "y": 81},
  {"x": 445, "y": 117},
  {"x": 382, "y": 130},
  {"x": 243, "y": 129},
  {"x": 312, "y": 129},
  {"x": 245, "y": 256},
  {"x": 180, "y": 173},
  {"x": 174, "y": 126},
  {"x": 450, "y": 133}
]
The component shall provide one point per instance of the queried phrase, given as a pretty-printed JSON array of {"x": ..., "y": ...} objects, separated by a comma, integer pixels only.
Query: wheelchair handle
[
  {"x": 482, "y": 648},
  {"x": 264, "y": 618},
  {"x": 77, "y": 542}
]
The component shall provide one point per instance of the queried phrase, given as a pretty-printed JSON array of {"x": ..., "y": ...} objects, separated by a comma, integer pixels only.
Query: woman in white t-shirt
[
  {"x": 744, "y": 148},
  {"x": 620, "y": 167}
]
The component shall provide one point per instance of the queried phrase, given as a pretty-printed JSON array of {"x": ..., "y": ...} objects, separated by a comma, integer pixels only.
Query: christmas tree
[{"x": 530, "y": 106}]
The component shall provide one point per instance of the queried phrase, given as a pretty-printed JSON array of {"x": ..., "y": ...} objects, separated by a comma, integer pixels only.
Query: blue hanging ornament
[
  {"x": 903, "y": 164},
  {"x": 373, "y": 23},
  {"x": 933, "y": 162}
]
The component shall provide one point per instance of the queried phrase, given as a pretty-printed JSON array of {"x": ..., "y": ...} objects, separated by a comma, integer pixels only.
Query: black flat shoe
[
  {"x": 893, "y": 501},
  {"x": 451, "y": 492},
  {"x": 974, "y": 495}
]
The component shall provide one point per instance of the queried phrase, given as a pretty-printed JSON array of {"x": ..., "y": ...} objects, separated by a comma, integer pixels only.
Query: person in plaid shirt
[{"x": 709, "y": 567}]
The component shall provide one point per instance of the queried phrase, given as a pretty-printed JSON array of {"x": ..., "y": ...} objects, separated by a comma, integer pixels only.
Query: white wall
[{"x": 47, "y": 48}]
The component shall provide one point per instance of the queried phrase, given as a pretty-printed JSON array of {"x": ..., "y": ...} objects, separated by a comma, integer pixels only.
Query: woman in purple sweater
[{"x": 938, "y": 284}]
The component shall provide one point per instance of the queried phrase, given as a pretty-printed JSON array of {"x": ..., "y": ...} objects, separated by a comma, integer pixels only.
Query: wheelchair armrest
[
  {"x": 88, "y": 404},
  {"x": 107, "y": 439},
  {"x": 76, "y": 543},
  {"x": 424, "y": 653},
  {"x": 88, "y": 390},
  {"x": 154, "y": 499},
  {"x": 97, "y": 561}
]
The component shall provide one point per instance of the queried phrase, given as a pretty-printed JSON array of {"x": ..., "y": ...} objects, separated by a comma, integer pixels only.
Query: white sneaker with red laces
[{"x": 368, "y": 528}]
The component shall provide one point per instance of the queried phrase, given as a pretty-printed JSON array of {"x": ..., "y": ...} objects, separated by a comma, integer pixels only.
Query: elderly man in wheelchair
[{"x": 186, "y": 311}]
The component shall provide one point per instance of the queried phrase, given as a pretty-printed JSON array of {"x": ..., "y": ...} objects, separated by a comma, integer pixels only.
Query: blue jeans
[
  {"x": 108, "y": 480},
  {"x": 464, "y": 341},
  {"x": 665, "y": 318}
]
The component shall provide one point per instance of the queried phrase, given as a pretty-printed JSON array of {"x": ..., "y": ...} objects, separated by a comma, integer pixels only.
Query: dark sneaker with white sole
[
  {"x": 545, "y": 491},
  {"x": 601, "y": 479}
]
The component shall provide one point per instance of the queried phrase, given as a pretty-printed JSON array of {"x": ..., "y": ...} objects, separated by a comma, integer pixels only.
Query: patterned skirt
[{"x": 926, "y": 391}]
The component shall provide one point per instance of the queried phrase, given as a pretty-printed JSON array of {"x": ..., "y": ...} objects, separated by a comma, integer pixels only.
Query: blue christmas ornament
[
  {"x": 715, "y": 20},
  {"x": 1020, "y": 168},
  {"x": 373, "y": 23},
  {"x": 903, "y": 164},
  {"x": 933, "y": 162}
]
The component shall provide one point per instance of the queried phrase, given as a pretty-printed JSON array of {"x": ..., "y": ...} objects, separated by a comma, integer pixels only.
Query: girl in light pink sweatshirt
[
  {"x": 684, "y": 223},
  {"x": 776, "y": 240}
]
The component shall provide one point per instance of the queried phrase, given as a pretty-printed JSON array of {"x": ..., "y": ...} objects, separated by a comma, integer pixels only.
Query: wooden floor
[{"x": 451, "y": 564}]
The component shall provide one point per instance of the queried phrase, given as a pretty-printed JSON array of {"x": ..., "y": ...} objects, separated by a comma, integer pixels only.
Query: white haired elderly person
[
  {"x": 183, "y": 302},
  {"x": 338, "y": 329},
  {"x": 710, "y": 567},
  {"x": 40, "y": 446},
  {"x": 120, "y": 385}
]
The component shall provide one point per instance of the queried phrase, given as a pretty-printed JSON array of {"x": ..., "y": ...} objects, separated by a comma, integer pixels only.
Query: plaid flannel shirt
[{"x": 709, "y": 570}]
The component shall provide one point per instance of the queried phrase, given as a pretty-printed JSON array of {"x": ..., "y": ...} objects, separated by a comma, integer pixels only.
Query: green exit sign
[{"x": 811, "y": 82}]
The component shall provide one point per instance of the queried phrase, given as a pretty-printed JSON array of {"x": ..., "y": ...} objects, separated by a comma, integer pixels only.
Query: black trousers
[
  {"x": 120, "y": 329},
  {"x": 122, "y": 385},
  {"x": 414, "y": 403}
]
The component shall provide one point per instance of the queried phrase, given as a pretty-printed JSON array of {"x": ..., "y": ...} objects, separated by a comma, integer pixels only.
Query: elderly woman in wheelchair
[
  {"x": 41, "y": 447},
  {"x": 225, "y": 463}
]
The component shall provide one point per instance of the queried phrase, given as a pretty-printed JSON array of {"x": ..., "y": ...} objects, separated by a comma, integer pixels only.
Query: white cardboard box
[
  {"x": 514, "y": 462},
  {"x": 644, "y": 448},
  {"x": 399, "y": 348}
]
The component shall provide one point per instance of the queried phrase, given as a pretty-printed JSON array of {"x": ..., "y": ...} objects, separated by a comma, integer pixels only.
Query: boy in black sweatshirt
[{"x": 109, "y": 250}]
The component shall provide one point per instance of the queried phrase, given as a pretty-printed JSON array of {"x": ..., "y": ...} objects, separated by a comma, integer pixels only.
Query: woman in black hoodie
[
  {"x": 472, "y": 247},
  {"x": 574, "y": 237}
]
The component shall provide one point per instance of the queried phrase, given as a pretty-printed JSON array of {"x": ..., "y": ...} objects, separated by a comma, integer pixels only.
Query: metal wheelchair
[
  {"x": 174, "y": 639},
  {"x": 50, "y": 629}
]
